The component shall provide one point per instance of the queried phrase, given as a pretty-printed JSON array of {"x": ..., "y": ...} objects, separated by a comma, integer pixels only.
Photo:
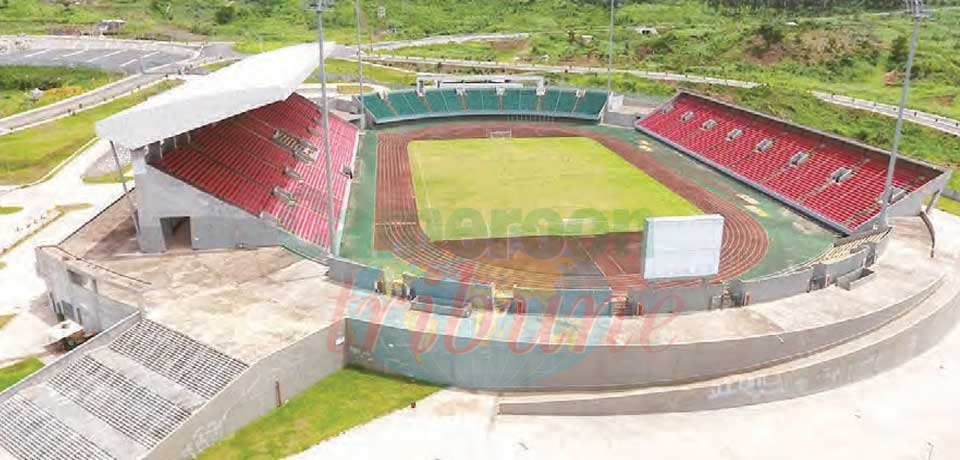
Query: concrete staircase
[{"x": 114, "y": 401}]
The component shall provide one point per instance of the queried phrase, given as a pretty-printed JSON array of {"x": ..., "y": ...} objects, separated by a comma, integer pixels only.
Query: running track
[{"x": 398, "y": 229}]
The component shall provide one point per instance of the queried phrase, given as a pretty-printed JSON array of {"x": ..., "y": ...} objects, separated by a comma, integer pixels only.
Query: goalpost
[{"x": 500, "y": 134}]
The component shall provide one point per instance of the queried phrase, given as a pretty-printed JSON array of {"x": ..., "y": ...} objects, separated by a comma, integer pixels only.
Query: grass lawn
[
  {"x": 10, "y": 209},
  {"x": 480, "y": 188},
  {"x": 5, "y": 319},
  {"x": 27, "y": 155},
  {"x": 14, "y": 373},
  {"x": 342, "y": 400},
  {"x": 110, "y": 177},
  {"x": 949, "y": 205},
  {"x": 347, "y": 88},
  {"x": 215, "y": 66},
  {"x": 57, "y": 83}
]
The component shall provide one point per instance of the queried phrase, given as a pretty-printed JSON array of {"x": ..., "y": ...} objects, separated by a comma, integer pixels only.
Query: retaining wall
[{"x": 254, "y": 393}]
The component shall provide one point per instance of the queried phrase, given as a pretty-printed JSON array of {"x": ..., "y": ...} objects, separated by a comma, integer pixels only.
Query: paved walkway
[{"x": 19, "y": 280}]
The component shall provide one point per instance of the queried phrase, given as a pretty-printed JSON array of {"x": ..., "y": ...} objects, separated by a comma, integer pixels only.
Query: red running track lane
[{"x": 398, "y": 229}]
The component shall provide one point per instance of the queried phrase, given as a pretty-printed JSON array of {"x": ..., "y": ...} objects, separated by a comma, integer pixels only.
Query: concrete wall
[
  {"x": 214, "y": 224},
  {"x": 911, "y": 204},
  {"x": 675, "y": 300},
  {"x": 98, "y": 310},
  {"x": 51, "y": 369},
  {"x": 620, "y": 118},
  {"x": 528, "y": 362},
  {"x": 353, "y": 274},
  {"x": 828, "y": 273},
  {"x": 905, "y": 340},
  {"x": 449, "y": 292},
  {"x": 564, "y": 302},
  {"x": 768, "y": 289},
  {"x": 254, "y": 393}
]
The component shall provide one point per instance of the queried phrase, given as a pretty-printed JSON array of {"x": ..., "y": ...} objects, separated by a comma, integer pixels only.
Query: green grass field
[
  {"x": 16, "y": 372},
  {"x": 27, "y": 155},
  {"x": 495, "y": 188},
  {"x": 340, "y": 401}
]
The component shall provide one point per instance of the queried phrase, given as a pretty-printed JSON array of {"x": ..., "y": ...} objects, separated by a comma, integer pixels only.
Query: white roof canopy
[{"x": 253, "y": 82}]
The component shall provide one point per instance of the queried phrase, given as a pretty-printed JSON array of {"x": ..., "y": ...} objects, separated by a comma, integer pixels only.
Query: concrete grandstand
[{"x": 216, "y": 285}]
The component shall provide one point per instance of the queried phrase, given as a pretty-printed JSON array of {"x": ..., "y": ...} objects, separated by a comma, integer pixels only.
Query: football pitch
[{"x": 558, "y": 186}]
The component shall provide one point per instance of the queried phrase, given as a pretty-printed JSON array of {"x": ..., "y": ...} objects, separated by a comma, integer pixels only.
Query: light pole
[
  {"x": 363, "y": 121},
  {"x": 331, "y": 223},
  {"x": 915, "y": 8},
  {"x": 610, "y": 54}
]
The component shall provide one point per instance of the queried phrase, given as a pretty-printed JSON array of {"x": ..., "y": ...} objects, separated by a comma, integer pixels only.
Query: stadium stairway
[
  {"x": 115, "y": 400},
  {"x": 934, "y": 312}
]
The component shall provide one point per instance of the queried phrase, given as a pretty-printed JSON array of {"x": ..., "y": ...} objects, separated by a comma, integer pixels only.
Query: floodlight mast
[
  {"x": 331, "y": 222},
  {"x": 915, "y": 7},
  {"x": 610, "y": 53},
  {"x": 363, "y": 121}
]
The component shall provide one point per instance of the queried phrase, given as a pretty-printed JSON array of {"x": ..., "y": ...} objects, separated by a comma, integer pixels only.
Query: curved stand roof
[{"x": 253, "y": 82}]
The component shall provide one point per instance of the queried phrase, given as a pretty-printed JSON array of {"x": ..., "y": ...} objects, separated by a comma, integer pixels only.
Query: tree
[
  {"x": 898, "y": 53},
  {"x": 226, "y": 13}
]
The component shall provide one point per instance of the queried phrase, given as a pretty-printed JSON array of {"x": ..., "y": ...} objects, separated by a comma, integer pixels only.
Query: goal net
[{"x": 501, "y": 134}]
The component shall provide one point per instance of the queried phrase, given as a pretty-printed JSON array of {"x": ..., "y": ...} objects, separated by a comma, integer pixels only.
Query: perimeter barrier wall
[{"x": 436, "y": 292}]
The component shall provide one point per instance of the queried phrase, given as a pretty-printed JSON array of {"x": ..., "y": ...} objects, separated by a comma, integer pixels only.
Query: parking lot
[{"x": 123, "y": 60}]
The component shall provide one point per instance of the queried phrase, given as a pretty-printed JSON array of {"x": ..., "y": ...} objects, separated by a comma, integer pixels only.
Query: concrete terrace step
[
  {"x": 101, "y": 435},
  {"x": 121, "y": 403},
  {"x": 28, "y": 432},
  {"x": 178, "y": 357},
  {"x": 163, "y": 387},
  {"x": 886, "y": 347}
]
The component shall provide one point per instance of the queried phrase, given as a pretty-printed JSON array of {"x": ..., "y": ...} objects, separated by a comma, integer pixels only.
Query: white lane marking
[
  {"x": 148, "y": 55},
  {"x": 128, "y": 63},
  {"x": 97, "y": 58},
  {"x": 74, "y": 53},
  {"x": 37, "y": 53}
]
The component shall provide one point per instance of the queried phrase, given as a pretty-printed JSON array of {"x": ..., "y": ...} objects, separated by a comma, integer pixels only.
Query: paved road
[
  {"x": 86, "y": 100},
  {"x": 669, "y": 76},
  {"x": 938, "y": 122},
  {"x": 133, "y": 57}
]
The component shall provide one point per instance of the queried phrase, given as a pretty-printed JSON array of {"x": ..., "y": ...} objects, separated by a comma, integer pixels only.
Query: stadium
[{"x": 553, "y": 245}]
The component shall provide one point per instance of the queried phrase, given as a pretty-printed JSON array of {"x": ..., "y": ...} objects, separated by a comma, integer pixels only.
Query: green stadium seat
[
  {"x": 453, "y": 100},
  {"x": 379, "y": 109},
  {"x": 398, "y": 100},
  {"x": 491, "y": 102},
  {"x": 474, "y": 100},
  {"x": 511, "y": 100},
  {"x": 591, "y": 103},
  {"x": 528, "y": 100},
  {"x": 566, "y": 102},
  {"x": 549, "y": 101},
  {"x": 416, "y": 102},
  {"x": 437, "y": 103}
]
